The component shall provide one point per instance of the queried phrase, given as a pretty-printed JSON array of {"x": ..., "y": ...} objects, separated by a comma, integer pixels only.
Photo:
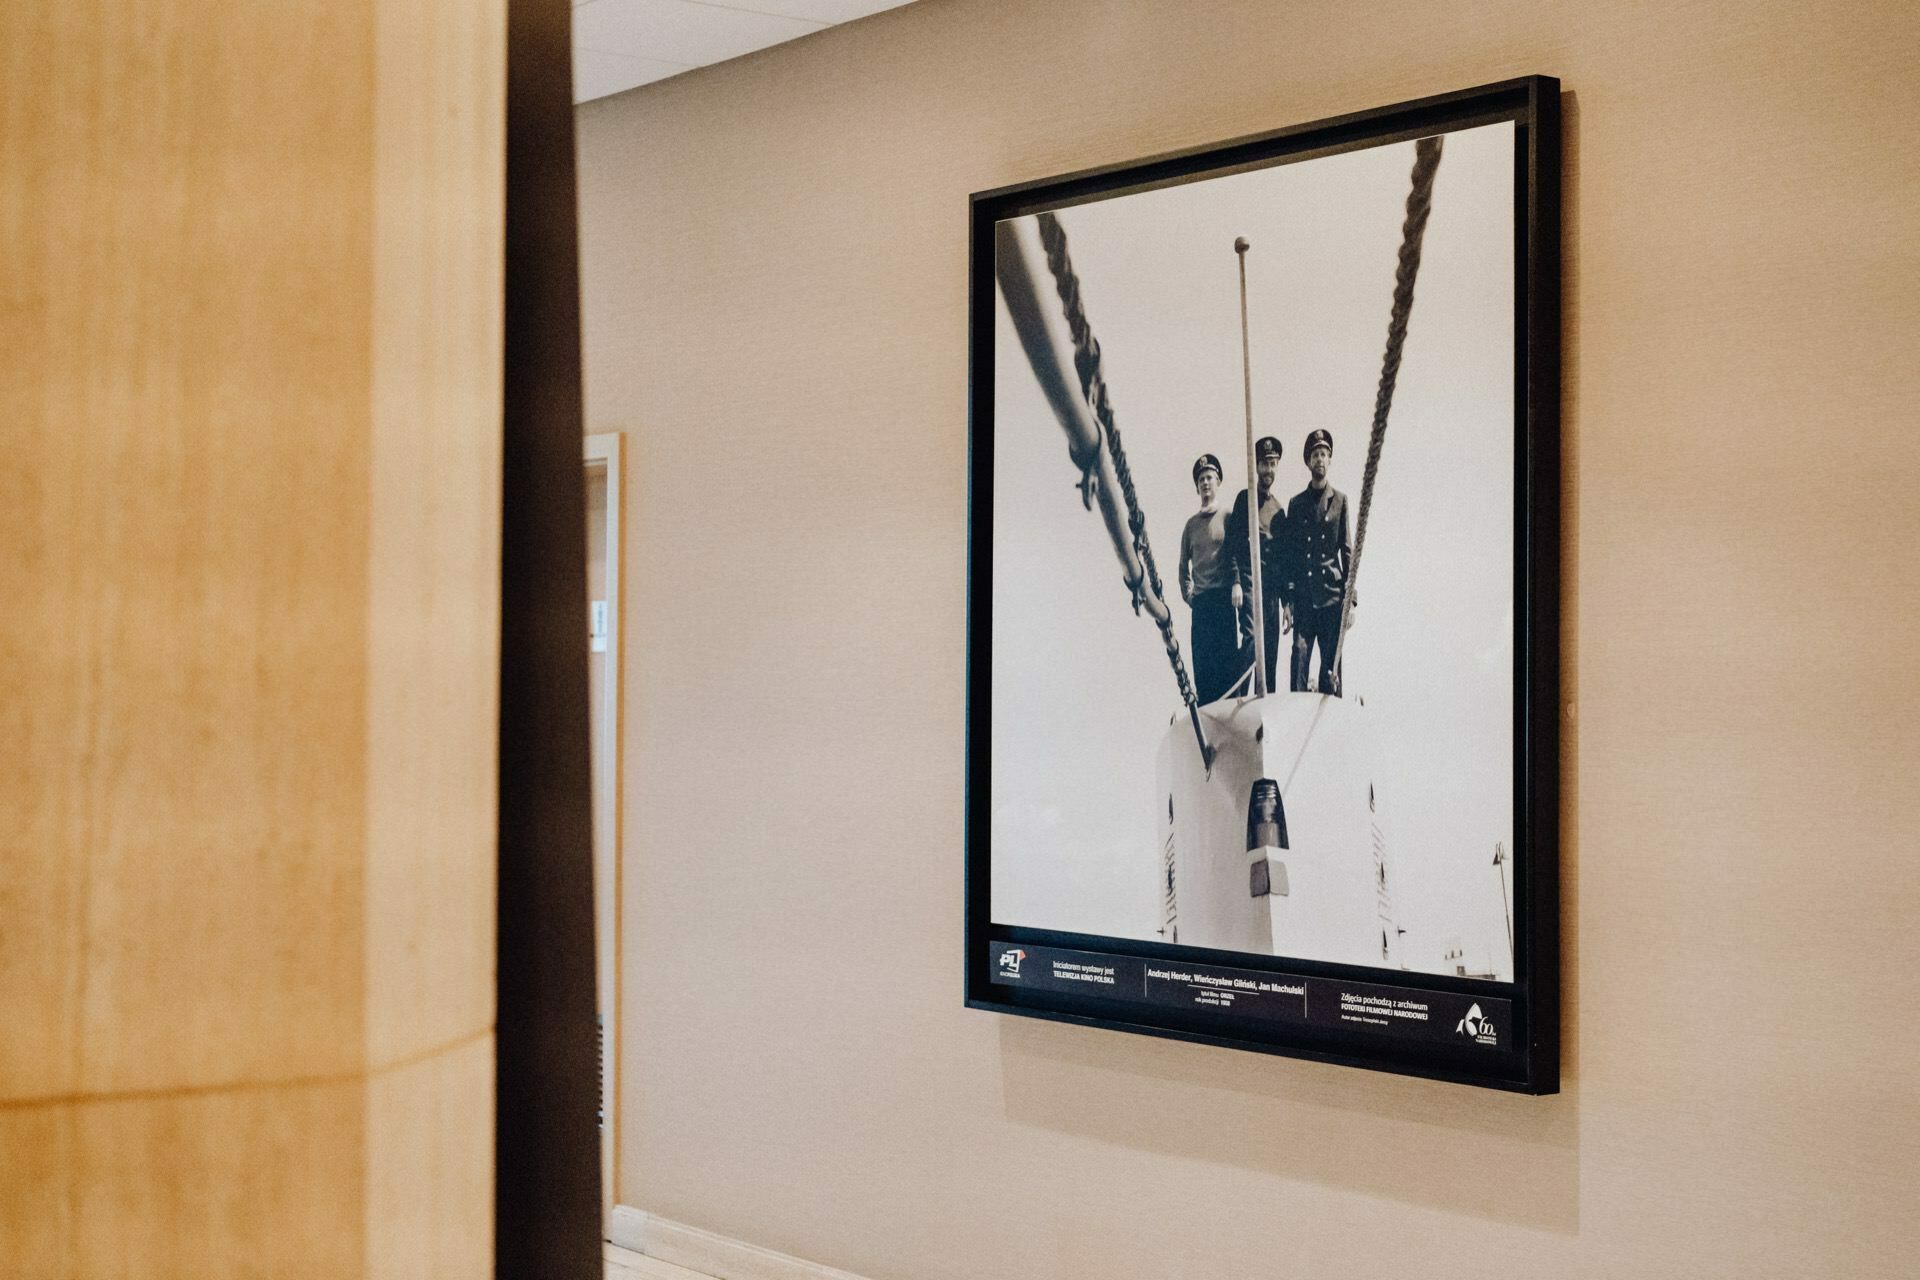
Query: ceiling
[{"x": 618, "y": 44}]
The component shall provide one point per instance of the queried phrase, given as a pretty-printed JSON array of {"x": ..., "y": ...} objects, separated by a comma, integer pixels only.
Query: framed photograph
[{"x": 1284, "y": 778}]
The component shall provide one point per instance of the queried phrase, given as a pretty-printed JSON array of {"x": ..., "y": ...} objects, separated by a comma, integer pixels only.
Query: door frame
[{"x": 602, "y": 453}]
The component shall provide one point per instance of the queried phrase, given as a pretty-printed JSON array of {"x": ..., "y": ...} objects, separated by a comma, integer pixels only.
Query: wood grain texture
[
  {"x": 253, "y": 1182},
  {"x": 429, "y": 1188},
  {"x": 185, "y": 522},
  {"x": 433, "y": 644},
  {"x": 775, "y": 292},
  {"x": 261, "y": 1181},
  {"x": 249, "y": 548},
  {"x": 36, "y": 1193}
]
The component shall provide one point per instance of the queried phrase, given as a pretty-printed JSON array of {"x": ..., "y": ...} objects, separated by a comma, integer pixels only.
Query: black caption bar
[{"x": 1407, "y": 1013}]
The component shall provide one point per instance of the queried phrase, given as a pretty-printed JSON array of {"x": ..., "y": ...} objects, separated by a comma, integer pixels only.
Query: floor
[{"x": 624, "y": 1264}]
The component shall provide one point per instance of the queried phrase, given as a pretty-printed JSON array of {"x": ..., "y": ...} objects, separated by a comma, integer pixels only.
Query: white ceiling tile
[
  {"x": 827, "y": 11},
  {"x": 680, "y": 30},
  {"x": 595, "y": 75}
]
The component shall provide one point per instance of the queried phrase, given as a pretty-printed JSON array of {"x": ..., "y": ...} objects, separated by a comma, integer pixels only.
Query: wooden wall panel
[
  {"x": 429, "y": 1183},
  {"x": 234, "y": 1182},
  {"x": 185, "y": 479},
  {"x": 249, "y": 545},
  {"x": 434, "y": 638},
  {"x": 36, "y": 1191}
]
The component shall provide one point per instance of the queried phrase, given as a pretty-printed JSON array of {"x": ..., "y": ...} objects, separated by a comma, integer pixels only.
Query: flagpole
[
  {"x": 1240, "y": 247},
  {"x": 1506, "y": 912}
]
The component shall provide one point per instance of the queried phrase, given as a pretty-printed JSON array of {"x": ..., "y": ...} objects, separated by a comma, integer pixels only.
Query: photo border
[{"x": 1530, "y": 1061}]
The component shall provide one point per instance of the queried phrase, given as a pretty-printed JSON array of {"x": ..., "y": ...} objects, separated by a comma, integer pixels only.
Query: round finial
[{"x": 1240, "y": 244}]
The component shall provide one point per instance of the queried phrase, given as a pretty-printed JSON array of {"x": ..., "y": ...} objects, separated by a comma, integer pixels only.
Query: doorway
[{"x": 602, "y": 459}]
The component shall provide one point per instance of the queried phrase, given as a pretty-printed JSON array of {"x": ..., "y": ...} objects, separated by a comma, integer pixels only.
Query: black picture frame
[{"x": 1528, "y": 1058}]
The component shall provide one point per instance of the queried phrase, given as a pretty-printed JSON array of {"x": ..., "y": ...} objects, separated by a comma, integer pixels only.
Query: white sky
[{"x": 1082, "y": 689}]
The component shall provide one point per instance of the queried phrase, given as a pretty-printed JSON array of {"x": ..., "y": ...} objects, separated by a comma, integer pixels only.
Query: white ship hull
[{"x": 1329, "y": 895}]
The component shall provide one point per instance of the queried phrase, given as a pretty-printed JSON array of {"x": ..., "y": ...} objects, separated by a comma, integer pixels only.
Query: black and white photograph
[{"x": 1293, "y": 737}]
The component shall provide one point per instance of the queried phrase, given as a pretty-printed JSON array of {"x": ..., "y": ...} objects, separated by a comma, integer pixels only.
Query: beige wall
[
  {"x": 774, "y": 261},
  {"x": 249, "y": 560}
]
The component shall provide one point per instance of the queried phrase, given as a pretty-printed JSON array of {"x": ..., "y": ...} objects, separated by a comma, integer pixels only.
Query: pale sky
[{"x": 1082, "y": 688}]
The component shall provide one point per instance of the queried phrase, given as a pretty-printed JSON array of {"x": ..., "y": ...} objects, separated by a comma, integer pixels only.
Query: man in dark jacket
[
  {"x": 1275, "y": 561},
  {"x": 1317, "y": 518}
]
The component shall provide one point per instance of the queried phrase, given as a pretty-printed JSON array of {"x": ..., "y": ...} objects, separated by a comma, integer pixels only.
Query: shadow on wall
[
  {"x": 1470, "y": 1151},
  {"x": 1480, "y": 1153}
]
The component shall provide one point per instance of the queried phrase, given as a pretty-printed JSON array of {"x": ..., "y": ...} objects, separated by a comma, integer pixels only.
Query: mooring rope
[
  {"x": 1086, "y": 362},
  {"x": 1426, "y": 161}
]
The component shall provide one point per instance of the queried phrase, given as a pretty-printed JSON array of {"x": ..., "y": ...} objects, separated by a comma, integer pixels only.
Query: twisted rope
[
  {"x": 1086, "y": 362},
  {"x": 1426, "y": 161}
]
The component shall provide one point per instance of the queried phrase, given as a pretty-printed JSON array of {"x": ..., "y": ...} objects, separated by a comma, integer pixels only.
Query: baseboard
[
  {"x": 628, "y": 1228},
  {"x": 709, "y": 1253}
]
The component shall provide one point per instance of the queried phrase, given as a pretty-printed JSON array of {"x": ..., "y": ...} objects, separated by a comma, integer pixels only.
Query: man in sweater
[{"x": 1206, "y": 582}]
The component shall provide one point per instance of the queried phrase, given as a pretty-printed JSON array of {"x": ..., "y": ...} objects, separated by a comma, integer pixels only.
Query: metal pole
[
  {"x": 1240, "y": 247},
  {"x": 1500, "y": 856}
]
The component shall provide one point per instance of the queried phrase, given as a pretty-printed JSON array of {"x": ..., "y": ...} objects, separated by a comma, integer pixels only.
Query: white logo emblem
[
  {"x": 1476, "y": 1026},
  {"x": 1010, "y": 962}
]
